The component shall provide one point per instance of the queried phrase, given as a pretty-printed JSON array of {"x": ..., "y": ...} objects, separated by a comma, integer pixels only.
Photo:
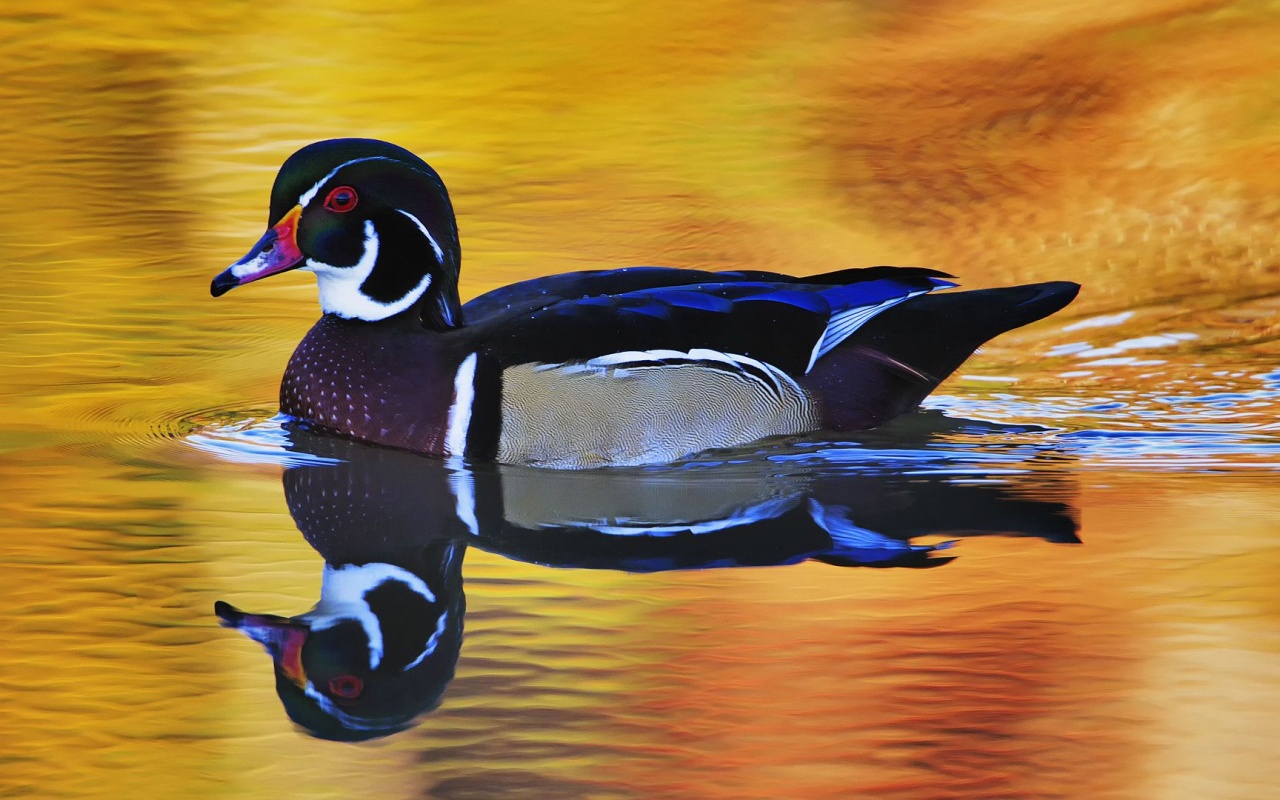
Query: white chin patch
[{"x": 340, "y": 286}]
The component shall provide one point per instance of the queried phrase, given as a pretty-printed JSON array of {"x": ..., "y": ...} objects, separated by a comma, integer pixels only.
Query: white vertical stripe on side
[{"x": 464, "y": 395}]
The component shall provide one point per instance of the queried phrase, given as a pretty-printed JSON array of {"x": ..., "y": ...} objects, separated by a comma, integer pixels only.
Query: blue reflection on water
[
  {"x": 254, "y": 441},
  {"x": 1214, "y": 430}
]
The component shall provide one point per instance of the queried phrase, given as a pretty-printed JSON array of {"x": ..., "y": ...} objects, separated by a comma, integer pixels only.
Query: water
[{"x": 836, "y": 649}]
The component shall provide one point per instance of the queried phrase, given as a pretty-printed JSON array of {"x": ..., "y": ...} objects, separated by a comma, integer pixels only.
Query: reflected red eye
[
  {"x": 348, "y": 686},
  {"x": 341, "y": 199}
]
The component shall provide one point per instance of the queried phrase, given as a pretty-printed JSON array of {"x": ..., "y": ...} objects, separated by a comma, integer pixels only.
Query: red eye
[
  {"x": 341, "y": 199},
  {"x": 348, "y": 686}
]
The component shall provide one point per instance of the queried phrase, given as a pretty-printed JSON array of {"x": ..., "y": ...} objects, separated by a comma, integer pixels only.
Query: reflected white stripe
[{"x": 464, "y": 500}]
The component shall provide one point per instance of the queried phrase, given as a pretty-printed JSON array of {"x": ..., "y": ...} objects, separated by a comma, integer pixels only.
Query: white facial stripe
[
  {"x": 310, "y": 194},
  {"x": 330, "y": 708},
  {"x": 464, "y": 395},
  {"x": 426, "y": 233},
  {"x": 340, "y": 286},
  {"x": 342, "y": 593}
]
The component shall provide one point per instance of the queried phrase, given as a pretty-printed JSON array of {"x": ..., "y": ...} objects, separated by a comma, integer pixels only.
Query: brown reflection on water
[
  {"x": 972, "y": 691},
  {"x": 1130, "y": 146}
]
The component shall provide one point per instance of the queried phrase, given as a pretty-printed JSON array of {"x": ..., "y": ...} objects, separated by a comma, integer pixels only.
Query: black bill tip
[
  {"x": 229, "y": 614},
  {"x": 224, "y": 283}
]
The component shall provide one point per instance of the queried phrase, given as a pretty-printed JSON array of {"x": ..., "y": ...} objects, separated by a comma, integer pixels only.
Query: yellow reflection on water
[{"x": 1133, "y": 147}]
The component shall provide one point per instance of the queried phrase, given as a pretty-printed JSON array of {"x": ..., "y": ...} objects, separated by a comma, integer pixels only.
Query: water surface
[{"x": 1130, "y": 147}]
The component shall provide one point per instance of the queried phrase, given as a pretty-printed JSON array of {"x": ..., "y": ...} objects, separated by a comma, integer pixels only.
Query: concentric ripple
[{"x": 252, "y": 441}]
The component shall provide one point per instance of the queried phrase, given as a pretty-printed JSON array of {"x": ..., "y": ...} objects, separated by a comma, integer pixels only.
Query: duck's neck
[{"x": 440, "y": 309}]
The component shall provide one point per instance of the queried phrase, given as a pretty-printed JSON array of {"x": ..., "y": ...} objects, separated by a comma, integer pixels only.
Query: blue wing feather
[
  {"x": 815, "y": 302},
  {"x": 870, "y": 293},
  {"x": 784, "y": 321},
  {"x": 684, "y": 298}
]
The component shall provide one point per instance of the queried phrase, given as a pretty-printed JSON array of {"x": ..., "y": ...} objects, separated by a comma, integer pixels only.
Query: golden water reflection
[{"x": 1131, "y": 147}]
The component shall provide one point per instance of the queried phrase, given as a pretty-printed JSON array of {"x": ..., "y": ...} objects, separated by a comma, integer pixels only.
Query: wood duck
[{"x": 642, "y": 365}]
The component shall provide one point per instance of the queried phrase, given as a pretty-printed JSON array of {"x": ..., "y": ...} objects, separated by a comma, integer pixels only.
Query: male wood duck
[{"x": 631, "y": 366}]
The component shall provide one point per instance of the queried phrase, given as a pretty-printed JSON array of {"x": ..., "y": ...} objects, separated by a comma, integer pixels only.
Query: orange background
[{"x": 1133, "y": 147}]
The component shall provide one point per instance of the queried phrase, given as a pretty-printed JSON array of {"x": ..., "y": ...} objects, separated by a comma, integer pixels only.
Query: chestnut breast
[{"x": 379, "y": 383}]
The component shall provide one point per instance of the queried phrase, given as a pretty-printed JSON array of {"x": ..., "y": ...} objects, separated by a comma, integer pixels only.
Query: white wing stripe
[
  {"x": 622, "y": 365},
  {"x": 843, "y": 324},
  {"x": 628, "y": 356},
  {"x": 624, "y": 526},
  {"x": 774, "y": 379}
]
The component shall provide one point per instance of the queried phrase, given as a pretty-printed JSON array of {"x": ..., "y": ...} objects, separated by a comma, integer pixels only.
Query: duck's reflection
[
  {"x": 380, "y": 646},
  {"x": 377, "y": 650}
]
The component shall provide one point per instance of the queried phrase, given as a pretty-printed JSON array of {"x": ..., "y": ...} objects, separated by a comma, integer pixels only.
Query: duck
[{"x": 596, "y": 368}]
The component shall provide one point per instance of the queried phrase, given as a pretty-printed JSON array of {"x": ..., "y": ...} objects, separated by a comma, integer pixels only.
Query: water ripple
[
  {"x": 983, "y": 437},
  {"x": 253, "y": 441}
]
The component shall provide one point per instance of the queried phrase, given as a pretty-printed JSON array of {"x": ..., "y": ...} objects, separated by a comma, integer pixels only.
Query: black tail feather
[
  {"x": 858, "y": 274},
  {"x": 900, "y": 356}
]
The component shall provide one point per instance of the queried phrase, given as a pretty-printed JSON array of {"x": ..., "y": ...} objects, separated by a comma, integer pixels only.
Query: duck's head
[{"x": 372, "y": 221}]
